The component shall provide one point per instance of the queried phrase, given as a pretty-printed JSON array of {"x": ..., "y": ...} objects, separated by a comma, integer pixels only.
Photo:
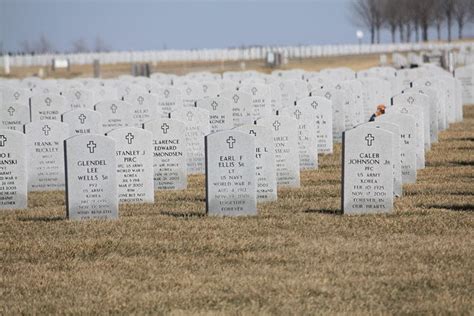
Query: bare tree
[
  {"x": 26, "y": 47},
  {"x": 438, "y": 16},
  {"x": 462, "y": 14},
  {"x": 368, "y": 14},
  {"x": 79, "y": 46},
  {"x": 101, "y": 45},
  {"x": 390, "y": 12},
  {"x": 43, "y": 45},
  {"x": 448, "y": 8}
]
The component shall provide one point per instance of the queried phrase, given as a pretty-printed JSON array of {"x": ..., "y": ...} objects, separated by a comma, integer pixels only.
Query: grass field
[{"x": 299, "y": 256}]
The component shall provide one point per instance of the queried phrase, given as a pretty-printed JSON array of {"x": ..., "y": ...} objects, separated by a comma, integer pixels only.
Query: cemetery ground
[{"x": 298, "y": 256}]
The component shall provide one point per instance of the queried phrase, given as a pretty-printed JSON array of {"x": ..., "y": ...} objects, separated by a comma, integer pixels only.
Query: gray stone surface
[
  {"x": 45, "y": 155},
  {"x": 367, "y": 174},
  {"x": 115, "y": 114},
  {"x": 241, "y": 103},
  {"x": 13, "y": 116},
  {"x": 47, "y": 107},
  {"x": 133, "y": 149},
  {"x": 466, "y": 76},
  {"x": 265, "y": 161},
  {"x": 13, "y": 176},
  {"x": 91, "y": 177},
  {"x": 144, "y": 107},
  {"x": 220, "y": 113},
  {"x": 169, "y": 153},
  {"x": 79, "y": 98},
  {"x": 336, "y": 98},
  {"x": 83, "y": 121},
  {"x": 230, "y": 174}
]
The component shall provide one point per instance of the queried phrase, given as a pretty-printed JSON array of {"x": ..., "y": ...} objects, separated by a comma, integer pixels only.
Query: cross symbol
[
  {"x": 254, "y": 90},
  {"x": 16, "y": 95},
  {"x": 48, "y": 101},
  {"x": 46, "y": 129},
  {"x": 328, "y": 95},
  {"x": 140, "y": 100},
  {"x": 214, "y": 105},
  {"x": 189, "y": 90},
  {"x": 404, "y": 110},
  {"x": 338, "y": 87},
  {"x": 297, "y": 114},
  {"x": 129, "y": 138},
  {"x": 78, "y": 94},
  {"x": 189, "y": 115},
  {"x": 411, "y": 100},
  {"x": 3, "y": 140},
  {"x": 231, "y": 141},
  {"x": 314, "y": 104},
  {"x": 11, "y": 110},
  {"x": 91, "y": 145},
  {"x": 165, "y": 127},
  {"x": 113, "y": 107},
  {"x": 369, "y": 138},
  {"x": 276, "y": 125},
  {"x": 204, "y": 88},
  {"x": 166, "y": 93},
  {"x": 236, "y": 98},
  {"x": 82, "y": 118},
  {"x": 252, "y": 132}
]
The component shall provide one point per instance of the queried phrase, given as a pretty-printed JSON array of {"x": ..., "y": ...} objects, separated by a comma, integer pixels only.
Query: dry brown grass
[{"x": 296, "y": 257}]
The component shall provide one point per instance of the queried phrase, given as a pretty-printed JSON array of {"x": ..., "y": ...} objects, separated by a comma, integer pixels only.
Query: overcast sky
[{"x": 142, "y": 25}]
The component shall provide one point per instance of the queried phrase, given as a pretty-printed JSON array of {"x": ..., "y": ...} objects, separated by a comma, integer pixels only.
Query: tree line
[{"x": 411, "y": 19}]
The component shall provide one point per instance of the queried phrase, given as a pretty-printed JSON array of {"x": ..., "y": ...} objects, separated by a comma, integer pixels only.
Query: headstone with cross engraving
[
  {"x": 407, "y": 126},
  {"x": 353, "y": 102},
  {"x": 230, "y": 174},
  {"x": 261, "y": 105},
  {"x": 190, "y": 92},
  {"x": 13, "y": 176},
  {"x": 241, "y": 103},
  {"x": 466, "y": 75},
  {"x": 265, "y": 161},
  {"x": 397, "y": 156},
  {"x": 220, "y": 113},
  {"x": 125, "y": 88},
  {"x": 169, "y": 153},
  {"x": 115, "y": 114},
  {"x": 83, "y": 121},
  {"x": 285, "y": 139},
  {"x": 168, "y": 100},
  {"x": 47, "y": 107},
  {"x": 197, "y": 126},
  {"x": 336, "y": 97},
  {"x": 13, "y": 116},
  {"x": 144, "y": 107},
  {"x": 441, "y": 98},
  {"x": 318, "y": 111},
  {"x": 210, "y": 89},
  {"x": 133, "y": 149},
  {"x": 101, "y": 93},
  {"x": 91, "y": 177},
  {"x": 367, "y": 171},
  {"x": 45, "y": 155},
  {"x": 79, "y": 98},
  {"x": 417, "y": 113},
  {"x": 14, "y": 95},
  {"x": 307, "y": 134}
]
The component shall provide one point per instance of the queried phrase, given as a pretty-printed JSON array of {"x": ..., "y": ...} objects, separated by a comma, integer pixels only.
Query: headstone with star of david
[
  {"x": 260, "y": 104},
  {"x": 241, "y": 103},
  {"x": 220, "y": 113},
  {"x": 397, "y": 156},
  {"x": 78, "y": 98},
  {"x": 307, "y": 134},
  {"x": 47, "y": 107},
  {"x": 115, "y": 114},
  {"x": 285, "y": 140},
  {"x": 413, "y": 98},
  {"x": 83, "y": 121},
  {"x": 338, "y": 118},
  {"x": 318, "y": 110},
  {"x": 169, "y": 99},
  {"x": 407, "y": 125},
  {"x": 45, "y": 155},
  {"x": 13, "y": 116},
  {"x": 367, "y": 171},
  {"x": 265, "y": 161},
  {"x": 197, "y": 127},
  {"x": 91, "y": 178},
  {"x": 134, "y": 153},
  {"x": 144, "y": 107},
  {"x": 466, "y": 75},
  {"x": 13, "y": 174},
  {"x": 15, "y": 94},
  {"x": 417, "y": 113},
  {"x": 231, "y": 186},
  {"x": 169, "y": 153}
]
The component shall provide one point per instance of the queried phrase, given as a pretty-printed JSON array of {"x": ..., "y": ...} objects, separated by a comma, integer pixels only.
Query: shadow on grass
[
  {"x": 462, "y": 208},
  {"x": 42, "y": 219},
  {"x": 183, "y": 214},
  {"x": 324, "y": 211}
]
